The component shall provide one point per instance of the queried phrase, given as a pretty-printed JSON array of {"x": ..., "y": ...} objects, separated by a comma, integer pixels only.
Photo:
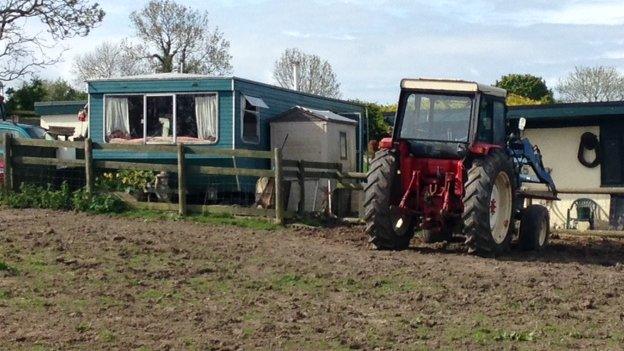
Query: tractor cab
[{"x": 447, "y": 118}]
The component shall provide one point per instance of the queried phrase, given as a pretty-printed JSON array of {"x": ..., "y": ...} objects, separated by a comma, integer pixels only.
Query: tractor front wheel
[
  {"x": 386, "y": 226},
  {"x": 488, "y": 204},
  {"x": 534, "y": 228}
]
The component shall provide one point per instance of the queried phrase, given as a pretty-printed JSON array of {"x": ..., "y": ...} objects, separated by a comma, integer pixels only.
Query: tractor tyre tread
[
  {"x": 532, "y": 218},
  {"x": 379, "y": 192},
  {"x": 478, "y": 186}
]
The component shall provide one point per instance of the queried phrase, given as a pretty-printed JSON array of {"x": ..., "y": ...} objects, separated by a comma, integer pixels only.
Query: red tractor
[{"x": 455, "y": 165}]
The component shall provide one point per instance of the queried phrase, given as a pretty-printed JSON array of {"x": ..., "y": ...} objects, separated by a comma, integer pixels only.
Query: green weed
[
  {"x": 7, "y": 268},
  {"x": 32, "y": 196}
]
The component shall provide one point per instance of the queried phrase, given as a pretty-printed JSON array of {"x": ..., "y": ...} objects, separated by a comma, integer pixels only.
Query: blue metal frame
[{"x": 524, "y": 153}]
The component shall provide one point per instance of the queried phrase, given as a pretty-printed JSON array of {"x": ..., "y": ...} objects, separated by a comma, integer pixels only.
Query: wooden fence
[
  {"x": 281, "y": 168},
  {"x": 306, "y": 170}
]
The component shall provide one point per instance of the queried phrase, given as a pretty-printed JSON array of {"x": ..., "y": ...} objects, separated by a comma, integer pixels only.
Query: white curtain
[
  {"x": 117, "y": 115},
  {"x": 206, "y": 116}
]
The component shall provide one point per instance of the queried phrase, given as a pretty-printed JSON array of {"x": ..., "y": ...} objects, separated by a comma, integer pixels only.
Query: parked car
[
  {"x": 22, "y": 131},
  {"x": 19, "y": 130}
]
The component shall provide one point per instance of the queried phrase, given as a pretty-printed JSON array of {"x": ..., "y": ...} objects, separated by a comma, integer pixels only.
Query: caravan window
[
  {"x": 123, "y": 117},
  {"x": 170, "y": 118},
  {"x": 196, "y": 118},
  {"x": 250, "y": 122},
  {"x": 159, "y": 119}
]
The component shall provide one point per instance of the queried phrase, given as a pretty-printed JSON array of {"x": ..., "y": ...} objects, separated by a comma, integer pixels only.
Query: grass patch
[
  {"x": 83, "y": 327},
  {"x": 289, "y": 281},
  {"x": 210, "y": 218},
  {"x": 31, "y": 303},
  {"x": 107, "y": 336},
  {"x": 482, "y": 336},
  {"x": 5, "y": 267},
  {"x": 393, "y": 285}
]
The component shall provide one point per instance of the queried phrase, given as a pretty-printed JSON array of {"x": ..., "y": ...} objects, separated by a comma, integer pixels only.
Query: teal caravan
[{"x": 214, "y": 112}]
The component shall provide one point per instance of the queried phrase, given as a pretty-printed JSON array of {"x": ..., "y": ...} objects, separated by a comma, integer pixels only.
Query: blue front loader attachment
[{"x": 525, "y": 154}]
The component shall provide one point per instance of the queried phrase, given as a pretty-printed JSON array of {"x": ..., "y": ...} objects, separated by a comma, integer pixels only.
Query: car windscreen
[
  {"x": 36, "y": 132},
  {"x": 436, "y": 117}
]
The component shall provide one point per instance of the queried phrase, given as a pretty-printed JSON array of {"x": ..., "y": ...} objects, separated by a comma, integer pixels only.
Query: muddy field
[{"x": 75, "y": 281}]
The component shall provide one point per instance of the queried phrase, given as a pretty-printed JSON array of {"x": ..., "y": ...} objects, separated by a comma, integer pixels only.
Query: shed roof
[
  {"x": 299, "y": 113},
  {"x": 57, "y": 108},
  {"x": 568, "y": 111}
]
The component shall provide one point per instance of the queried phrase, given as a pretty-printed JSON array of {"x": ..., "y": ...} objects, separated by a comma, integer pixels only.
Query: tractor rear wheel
[
  {"x": 387, "y": 227},
  {"x": 534, "y": 228},
  {"x": 488, "y": 204}
]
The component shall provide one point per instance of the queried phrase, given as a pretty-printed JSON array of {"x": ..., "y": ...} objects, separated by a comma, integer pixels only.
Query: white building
[
  {"x": 62, "y": 114},
  {"x": 578, "y": 168}
]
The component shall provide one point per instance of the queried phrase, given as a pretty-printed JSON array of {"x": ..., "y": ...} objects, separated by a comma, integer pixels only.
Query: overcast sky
[{"x": 372, "y": 44}]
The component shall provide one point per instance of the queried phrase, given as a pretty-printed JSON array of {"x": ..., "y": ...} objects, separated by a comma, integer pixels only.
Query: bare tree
[
  {"x": 589, "y": 84},
  {"x": 109, "y": 60},
  {"x": 179, "y": 38},
  {"x": 314, "y": 75},
  {"x": 23, "y": 51}
]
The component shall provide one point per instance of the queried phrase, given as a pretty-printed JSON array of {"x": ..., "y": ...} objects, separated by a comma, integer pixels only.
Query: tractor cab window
[
  {"x": 491, "y": 123},
  {"x": 499, "y": 122},
  {"x": 436, "y": 117},
  {"x": 484, "y": 127}
]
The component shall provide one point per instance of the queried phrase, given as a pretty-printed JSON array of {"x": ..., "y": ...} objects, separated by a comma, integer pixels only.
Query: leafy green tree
[
  {"x": 60, "y": 90},
  {"x": 526, "y": 85},
  {"x": 378, "y": 127},
  {"x": 24, "y": 97}
]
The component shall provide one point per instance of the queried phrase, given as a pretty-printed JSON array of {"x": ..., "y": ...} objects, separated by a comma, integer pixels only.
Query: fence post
[
  {"x": 181, "y": 181},
  {"x": 279, "y": 202},
  {"x": 8, "y": 169},
  {"x": 301, "y": 179},
  {"x": 88, "y": 151}
]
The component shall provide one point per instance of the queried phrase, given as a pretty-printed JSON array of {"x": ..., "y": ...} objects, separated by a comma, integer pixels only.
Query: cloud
[
  {"x": 332, "y": 36},
  {"x": 610, "y": 13},
  {"x": 296, "y": 34},
  {"x": 532, "y": 12}
]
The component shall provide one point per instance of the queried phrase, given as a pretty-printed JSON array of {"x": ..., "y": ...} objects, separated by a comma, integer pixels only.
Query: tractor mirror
[{"x": 521, "y": 123}]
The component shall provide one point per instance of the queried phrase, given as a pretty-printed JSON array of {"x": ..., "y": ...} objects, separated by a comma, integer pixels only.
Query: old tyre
[
  {"x": 534, "y": 228},
  {"x": 488, "y": 204},
  {"x": 386, "y": 227}
]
